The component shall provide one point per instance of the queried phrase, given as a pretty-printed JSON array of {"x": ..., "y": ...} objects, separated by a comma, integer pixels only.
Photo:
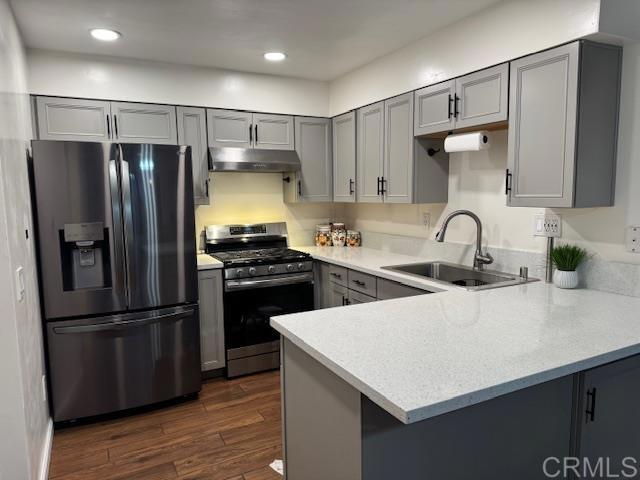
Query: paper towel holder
[{"x": 431, "y": 151}]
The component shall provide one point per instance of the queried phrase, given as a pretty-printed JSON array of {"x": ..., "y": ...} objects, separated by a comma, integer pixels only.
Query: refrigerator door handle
[
  {"x": 117, "y": 250},
  {"x": 127, "y": 220},
  {"x": 110, "y": 326}
]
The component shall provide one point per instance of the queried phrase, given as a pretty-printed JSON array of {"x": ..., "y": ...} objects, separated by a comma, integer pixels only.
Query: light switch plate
[
  {"x": 19, "y": 284},
  {"x": 547, "y": 225},
  {"x": 632, "y": 239}
]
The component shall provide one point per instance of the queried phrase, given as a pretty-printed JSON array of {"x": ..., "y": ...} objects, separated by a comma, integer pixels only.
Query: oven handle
[{"x": 233, "y": 285}]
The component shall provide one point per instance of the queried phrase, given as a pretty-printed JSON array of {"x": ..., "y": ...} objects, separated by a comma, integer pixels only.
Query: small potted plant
[{"x": 566, "y": 259}]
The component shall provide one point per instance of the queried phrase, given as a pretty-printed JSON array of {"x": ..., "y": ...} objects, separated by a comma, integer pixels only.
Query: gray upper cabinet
[
  {"x": 314, "y": 182},
  {"x": 344, "y": 158},
  {"x": 274, "y": 132},
  {"x": 370, "y": 153},
  {"x": 144, "y": 123},
  {"x": 212, "y": 351},
  {"x": 230, "y": 128},
  {"x": 482, "y": 97},
  {"x": 397, "y": 184},
  {"x": 434, "y": 108},
  {"x": 192, "y": 131},
  {"x": 563, "y": 127},
  {"x": 73, "y": 119}
]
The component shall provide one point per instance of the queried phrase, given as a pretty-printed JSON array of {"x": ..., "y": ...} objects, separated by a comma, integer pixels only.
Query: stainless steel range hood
[{"x": 230, "y": 159}]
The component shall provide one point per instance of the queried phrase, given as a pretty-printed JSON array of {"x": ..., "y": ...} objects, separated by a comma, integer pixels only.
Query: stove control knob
[
  {"x": 290, "y": 267},
  {"x": 300, "y": 266},
  {"x": 240, "y": 272},
  {"x": 271, "y": 269},
  {"x": 252, "y": 271}
]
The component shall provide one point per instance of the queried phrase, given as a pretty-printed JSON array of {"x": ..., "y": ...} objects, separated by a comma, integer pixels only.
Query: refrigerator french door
[{"x": 118, "y": 274}]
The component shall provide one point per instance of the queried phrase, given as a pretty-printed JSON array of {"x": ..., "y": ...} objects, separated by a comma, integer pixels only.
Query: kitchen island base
[{"x": 333, "y": 431}]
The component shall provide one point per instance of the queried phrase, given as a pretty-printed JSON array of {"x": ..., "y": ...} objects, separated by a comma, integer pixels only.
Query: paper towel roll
[{"x": 467, "y": 142}]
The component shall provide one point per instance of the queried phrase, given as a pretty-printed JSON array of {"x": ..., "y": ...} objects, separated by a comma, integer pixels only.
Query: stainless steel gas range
[{"x": 262, "y": 278}]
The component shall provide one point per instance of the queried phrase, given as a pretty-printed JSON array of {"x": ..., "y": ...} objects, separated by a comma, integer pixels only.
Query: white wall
[
  {"x": 76, "y": 75},
  {"x": 24, "y": 414},
  {"x": 494, "y": 35}
]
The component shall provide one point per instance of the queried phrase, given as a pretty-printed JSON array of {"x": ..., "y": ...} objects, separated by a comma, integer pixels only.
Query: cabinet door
[
  {"x": 608, "y": 415},
  {"x": 357, "y": 297},
  {"x": 344, "y": 158},
  {"x": 144, "y": 123},
  {"x": 434, "y": 108},
  {"x": 388, "y": 289},
  {"x": 370, "y": 152},
  {"x": 398, "y": 149},
  {"x": 338, "y": 295},
  {"x": 322, "y": 285},
  {"x": 230, "y": 128},
  {"x": 542, "y": 128},
  {"x": 211, "y": 319},
  {"x": 192, "y": 131},
  {"x": 73, "y": 119},
  {"x": 313, "y": 144},
  {"x": 273, "y": 132},
  {"x": 482, "y": 97}
]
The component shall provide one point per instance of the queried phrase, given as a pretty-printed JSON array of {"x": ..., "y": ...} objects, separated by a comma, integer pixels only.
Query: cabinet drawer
[
  {"x": 388, "y": 289},
  {"x": 362, "y": 282},
  {"x": 357, "y": 297},
  {"x": 338, "y": 275}
]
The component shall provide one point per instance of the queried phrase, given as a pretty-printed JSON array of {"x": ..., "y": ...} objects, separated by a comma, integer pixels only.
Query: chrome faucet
[{"x": 479, "y": 259}]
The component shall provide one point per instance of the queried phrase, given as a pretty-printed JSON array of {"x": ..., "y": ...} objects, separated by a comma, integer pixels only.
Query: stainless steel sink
[{"x": 454, "y": 274}]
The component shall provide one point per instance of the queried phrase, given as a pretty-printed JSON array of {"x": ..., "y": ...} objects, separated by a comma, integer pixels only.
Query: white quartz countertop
[
  {"x": 369, "y": 260},
  {"x": 423, "y": 356},
  {"x": 207, "y": 262}
]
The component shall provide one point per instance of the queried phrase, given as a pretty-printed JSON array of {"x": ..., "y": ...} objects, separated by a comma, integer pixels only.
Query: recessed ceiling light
[
  {"x": 105, "y": 34},
  {"x": 274, "y": 56}
]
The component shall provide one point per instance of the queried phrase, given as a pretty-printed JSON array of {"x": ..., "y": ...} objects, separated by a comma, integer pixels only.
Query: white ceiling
[{"x": 322, "y": 38}]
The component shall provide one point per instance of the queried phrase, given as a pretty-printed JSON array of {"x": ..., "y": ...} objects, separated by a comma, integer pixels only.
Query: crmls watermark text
[{"x": 601, "y": 467}]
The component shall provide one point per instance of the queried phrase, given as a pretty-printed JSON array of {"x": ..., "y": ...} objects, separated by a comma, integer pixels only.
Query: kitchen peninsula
[{"x": 494, "y": 381}]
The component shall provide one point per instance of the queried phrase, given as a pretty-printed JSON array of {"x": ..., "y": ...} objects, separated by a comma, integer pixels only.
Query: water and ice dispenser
[{"x": 85, "y": 256}]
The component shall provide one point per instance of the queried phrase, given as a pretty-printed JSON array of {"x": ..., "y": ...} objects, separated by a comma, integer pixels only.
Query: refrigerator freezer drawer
[{"x": 107, "y": 364}]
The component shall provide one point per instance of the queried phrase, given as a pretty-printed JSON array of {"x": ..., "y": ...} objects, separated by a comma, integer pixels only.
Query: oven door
[{"x": 251, "y": 344}]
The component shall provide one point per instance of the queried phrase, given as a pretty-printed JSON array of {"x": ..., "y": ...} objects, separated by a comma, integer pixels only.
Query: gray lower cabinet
[
  {"x": 192, "y": 131},
  {"x": 344, "y": 158},
  {"x": 144, "y": 123},
  {"x": 73, "y": 119},
  {"x": 397, "y": 179},
  {"x": 336, "y": 286},
  {"x": 563, "y": 129},
  {"x": 608, "y": 414},
  {"x": 472, "y": 100},
  {"x": 370, "y": 152},
  {"x": 273, "y": 132},
  {"x": 314, "y": 182},
  {"x": 387, "y": 289},
  {"x": 210, "y": 287},
  {"x": 229, "y": 128}
]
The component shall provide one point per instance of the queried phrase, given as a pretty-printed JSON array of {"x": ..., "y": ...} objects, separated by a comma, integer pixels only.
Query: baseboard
[{"x": 43, "y": 471}]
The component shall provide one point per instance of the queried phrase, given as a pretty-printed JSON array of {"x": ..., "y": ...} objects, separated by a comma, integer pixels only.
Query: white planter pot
[{"x": 562, "y": 279}]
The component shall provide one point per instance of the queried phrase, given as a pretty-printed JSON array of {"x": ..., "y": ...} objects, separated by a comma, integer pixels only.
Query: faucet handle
[{"x": 485, "y": 258}]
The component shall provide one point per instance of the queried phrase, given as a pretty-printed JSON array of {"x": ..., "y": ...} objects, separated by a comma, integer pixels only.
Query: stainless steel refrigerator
[{"x": 118, "y": 275}]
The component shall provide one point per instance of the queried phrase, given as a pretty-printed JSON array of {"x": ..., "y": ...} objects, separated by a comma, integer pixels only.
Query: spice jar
[
  {"x": 354, "y": 239},
  {"x": 323, "y": 235}
]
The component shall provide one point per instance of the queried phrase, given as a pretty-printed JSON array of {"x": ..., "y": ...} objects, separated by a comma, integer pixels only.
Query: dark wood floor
[{"x": 231, "y": 432}]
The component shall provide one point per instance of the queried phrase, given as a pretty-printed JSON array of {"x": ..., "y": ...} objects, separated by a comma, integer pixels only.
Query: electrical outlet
[
  {"x": 547, "y": 225},
  {"x": 426, "y": 219},
  {"x": 632, "y": 240},
  {"x": 19, "y": 284}
]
